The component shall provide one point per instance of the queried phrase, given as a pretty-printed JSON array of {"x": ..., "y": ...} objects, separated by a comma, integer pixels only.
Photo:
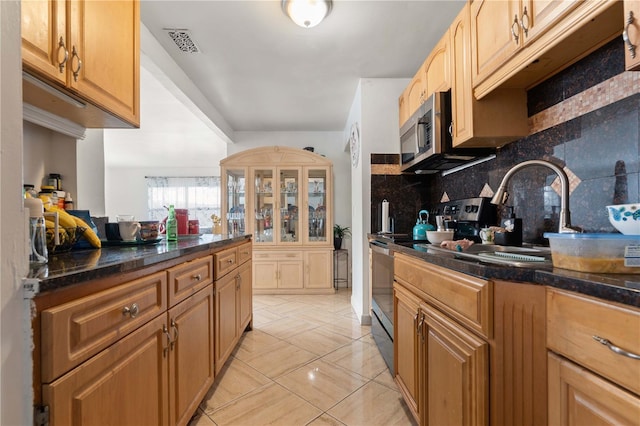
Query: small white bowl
[
  {"x": 436, "y": 237},
  {"x": 625, "y": 218}
]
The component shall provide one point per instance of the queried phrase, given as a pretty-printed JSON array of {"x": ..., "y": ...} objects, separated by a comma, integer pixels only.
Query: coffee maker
[{"x": 467, "y": 216}]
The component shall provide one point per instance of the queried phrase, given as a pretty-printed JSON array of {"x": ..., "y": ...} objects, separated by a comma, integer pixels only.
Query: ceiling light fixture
[{"x": 306, "y": 13}]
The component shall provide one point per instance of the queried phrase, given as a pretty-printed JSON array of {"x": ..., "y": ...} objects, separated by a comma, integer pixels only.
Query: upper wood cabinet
[
  {"x": 500, "y": 28},
  {"x": 632, "y": 31},
  {"x": 494, "y": 121},
  {"x": 521, "y": 43},
  {"x": 89, "y": 50},
  {"x": 433, "y": 75}
]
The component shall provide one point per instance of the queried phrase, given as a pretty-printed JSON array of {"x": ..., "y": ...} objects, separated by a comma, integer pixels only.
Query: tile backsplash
[{"x": 585, "y": 119}]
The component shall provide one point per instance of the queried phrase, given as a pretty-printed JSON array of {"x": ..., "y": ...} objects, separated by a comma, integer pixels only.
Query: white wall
[
  {"x": 15, "y": 352},
  {"x": 90, "y": 168},
  {"x": 46, "y": 151},
  {"x": 375, "y": 109}
]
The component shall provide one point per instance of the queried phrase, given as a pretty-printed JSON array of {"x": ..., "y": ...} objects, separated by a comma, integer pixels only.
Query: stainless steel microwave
[{"x": 425, "y": 139}]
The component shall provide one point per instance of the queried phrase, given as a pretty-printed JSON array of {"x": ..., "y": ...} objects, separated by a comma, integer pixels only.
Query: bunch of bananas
[{"x": 70, "y": 228}]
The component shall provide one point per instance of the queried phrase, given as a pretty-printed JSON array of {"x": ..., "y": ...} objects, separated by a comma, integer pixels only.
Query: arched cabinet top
[{"x": 275, "y": 155}]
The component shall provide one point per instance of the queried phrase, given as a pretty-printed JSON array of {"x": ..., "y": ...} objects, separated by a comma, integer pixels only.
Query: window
[{"x": 200, "y": 195}]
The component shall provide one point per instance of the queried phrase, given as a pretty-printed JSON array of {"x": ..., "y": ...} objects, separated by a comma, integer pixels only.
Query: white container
[
  {"x": 597, "y": 253},
  {"x": 436, "y": 237}
]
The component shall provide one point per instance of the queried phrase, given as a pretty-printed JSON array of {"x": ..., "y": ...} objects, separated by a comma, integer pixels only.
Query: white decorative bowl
[
  {"x": 625, "y": 218},
  {"x": 436, "y": 237}
]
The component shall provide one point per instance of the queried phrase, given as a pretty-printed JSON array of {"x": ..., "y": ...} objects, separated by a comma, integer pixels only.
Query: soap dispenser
[{"x": 513, "y": 226}]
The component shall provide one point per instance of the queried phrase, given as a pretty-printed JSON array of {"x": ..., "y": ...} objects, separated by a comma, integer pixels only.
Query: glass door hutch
[{"x": 282, "y": 196}]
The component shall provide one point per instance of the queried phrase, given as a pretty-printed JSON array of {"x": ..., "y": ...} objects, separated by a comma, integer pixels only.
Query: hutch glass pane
[
  {"x": 317, "y": 196},
  {"x": 235, "y": 201},
  {"x": 264, "y": 187},
  {"x": 289, "y": 203}
]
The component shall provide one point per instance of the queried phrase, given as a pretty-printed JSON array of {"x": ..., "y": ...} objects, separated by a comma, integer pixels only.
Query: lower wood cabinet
[
  {"x": 468, "y": 351},
  {"x": 293, "y": 271},
  {"x": 594, "y": 361},
  {"x": 156, "y": 375},
  {"x": 234, "y": 313},
  {"x": 144, "y": 351}
]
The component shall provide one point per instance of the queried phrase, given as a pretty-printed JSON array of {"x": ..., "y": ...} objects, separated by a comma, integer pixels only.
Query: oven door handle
[{"x": 379, "y": 247}]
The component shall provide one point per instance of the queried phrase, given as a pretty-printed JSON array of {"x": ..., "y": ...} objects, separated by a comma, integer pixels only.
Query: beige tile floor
[{"x": 307, "y": 361}]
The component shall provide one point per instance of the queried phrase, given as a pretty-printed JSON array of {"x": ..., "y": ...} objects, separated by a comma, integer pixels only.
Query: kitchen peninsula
[{"x": 137, "y": 333}]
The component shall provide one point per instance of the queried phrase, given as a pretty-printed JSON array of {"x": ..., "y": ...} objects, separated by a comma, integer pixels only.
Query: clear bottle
[
  {"x": 38, "y": 253},
  {"x": 172, "y": 225}
]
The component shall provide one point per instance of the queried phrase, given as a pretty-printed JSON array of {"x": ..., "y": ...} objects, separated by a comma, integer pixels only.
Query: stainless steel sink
[{"x": 520, "y": 257}]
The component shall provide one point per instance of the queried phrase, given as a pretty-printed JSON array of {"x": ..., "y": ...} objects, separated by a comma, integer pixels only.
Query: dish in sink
[{"x": 521, "y": 257}]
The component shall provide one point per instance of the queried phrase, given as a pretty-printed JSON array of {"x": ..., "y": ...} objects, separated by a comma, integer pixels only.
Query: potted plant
[{"x": 340, "y": 232}]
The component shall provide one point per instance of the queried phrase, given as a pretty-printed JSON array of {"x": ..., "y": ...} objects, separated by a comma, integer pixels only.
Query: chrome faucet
[{"x": 501, "y": 194}]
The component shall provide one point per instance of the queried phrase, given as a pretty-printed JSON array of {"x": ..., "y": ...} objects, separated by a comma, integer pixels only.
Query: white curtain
[{"x": 199, "y": 194}]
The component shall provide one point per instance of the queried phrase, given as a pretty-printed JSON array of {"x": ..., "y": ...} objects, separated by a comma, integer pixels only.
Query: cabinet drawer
[
  {"x": 278, "y": 255},
  {"x": 573, "y": 321},
  {"x": 74, "y": 331},
  {"x": 226, "y": 261},
  {"x": 188, "y": 278},
  {"x": 467, "y": 299},
  {"x": 244, "y": 253}
]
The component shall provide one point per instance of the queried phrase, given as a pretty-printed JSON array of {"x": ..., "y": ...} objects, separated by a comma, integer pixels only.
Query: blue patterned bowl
[{"x": 625, "y": 218}]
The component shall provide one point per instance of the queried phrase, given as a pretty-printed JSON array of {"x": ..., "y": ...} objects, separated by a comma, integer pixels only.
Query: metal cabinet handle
[
  {"x": 230, "y": 261},
  {"x": 515, "y": 29},
  {"x": 196, "y": 277},
  {"x": 615, "y": 348},
  {"x": 165, "y": 331},
  {"x": 523, "y": 25},
  {"x": 74, "y": 54},
  {"x": 625, "y": 36},
  {"x": 451, "y": 129},
  {"x": 132, "y": 310},
  {"x": 415, "y": 321},
  {"x": 420, "y": 325},
  {"x": 175, "y": 333},
  {"x": 62, "y": 63}
]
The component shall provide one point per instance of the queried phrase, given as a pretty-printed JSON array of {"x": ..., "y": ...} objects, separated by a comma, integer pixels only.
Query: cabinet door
[
  {"x": 45, "y": 43},
  {"x": 318, "y": 271},
  {"x": 416, "y": 91},
  {"x": 265, "y": 274},
  {"x": 406, "y": 340},
  {"x": 290, "y": 274},
  {"x": 403, "y": 109},
  {"x": 456, "y": 379},
  {"x": 632, "y": 27},
  {"x": 264, "y": 205},
  {"x": 226, "y": 319},
  {"x": 288, "y": 224},
  {"x": 317, "y": 226},
  {"x": 579, "y": 397},
  {"x": 245, "y": 297},
  {"x": 437, "y": 69},
  {"x": 104, "y": 54},
  {"x": 132, "y": 375},
  {"x": 493, "y": 40},
  {"x": 461, "y": 91},
  {"x": 191, "y": 356},
  {"x": 234, "y": 203},
  {"x": 537, "y": 16}
]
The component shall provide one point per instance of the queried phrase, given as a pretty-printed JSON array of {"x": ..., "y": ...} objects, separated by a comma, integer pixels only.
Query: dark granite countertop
[
  {"x": 620, "y": 288},
  {"x": 79, "y": 266}
]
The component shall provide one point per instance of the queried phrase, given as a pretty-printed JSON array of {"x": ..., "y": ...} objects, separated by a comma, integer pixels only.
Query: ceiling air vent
[{"x": 182, "y": 39}]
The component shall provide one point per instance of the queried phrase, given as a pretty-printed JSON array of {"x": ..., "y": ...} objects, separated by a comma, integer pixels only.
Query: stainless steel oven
[{"x": 381, "y": 273}]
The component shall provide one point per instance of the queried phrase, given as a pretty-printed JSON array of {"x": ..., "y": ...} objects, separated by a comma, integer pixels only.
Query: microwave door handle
[{"x": 417, "y": 135}]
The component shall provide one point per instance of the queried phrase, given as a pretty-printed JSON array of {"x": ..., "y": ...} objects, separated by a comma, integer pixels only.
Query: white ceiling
[{"x": 262, "y": 72}]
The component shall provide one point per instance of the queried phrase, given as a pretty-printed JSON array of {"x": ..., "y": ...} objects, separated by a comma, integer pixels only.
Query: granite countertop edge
[
  {"x": 623, "y": 289},
  {"x": 79, "y": 266}
]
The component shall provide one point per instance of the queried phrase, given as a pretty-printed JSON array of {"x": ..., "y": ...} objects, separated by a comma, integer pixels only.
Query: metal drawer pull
[
  {"x": 62, "y": 63},
  {"x": 614, "y": 348},
  {"x": 625, "y": 36},
  {"x": 230, "y": 261},
  {"x": 74, "y": 53},
  {"x": 132, "y": 310},
  {"x": 196, "y": 277},
  {"x": 525, "y": 17},
  {"x": 165, "y": 331},
  {"x": 515, "y": 29},
  {"x": 175, "y": 333}
]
